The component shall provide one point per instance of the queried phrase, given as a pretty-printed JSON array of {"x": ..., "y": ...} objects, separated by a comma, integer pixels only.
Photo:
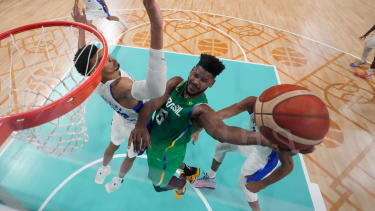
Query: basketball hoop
[{"x": 41, "y": 83}]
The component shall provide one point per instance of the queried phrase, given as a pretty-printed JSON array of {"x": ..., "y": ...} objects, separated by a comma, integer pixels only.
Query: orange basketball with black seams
[{"x": 292, "y": 117}]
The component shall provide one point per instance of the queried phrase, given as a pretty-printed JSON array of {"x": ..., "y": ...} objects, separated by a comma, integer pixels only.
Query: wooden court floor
[{"x": 310, "y": 43}]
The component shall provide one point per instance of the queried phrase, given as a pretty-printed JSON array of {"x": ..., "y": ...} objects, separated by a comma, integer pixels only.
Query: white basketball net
[{"x": 40, "y": 71}]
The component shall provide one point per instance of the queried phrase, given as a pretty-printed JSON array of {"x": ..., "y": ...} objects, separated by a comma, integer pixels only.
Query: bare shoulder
[
  {"x": 121, "y": 88},
  {"x": 173, "y": 82},
  {"x": 202, "y": 109}
]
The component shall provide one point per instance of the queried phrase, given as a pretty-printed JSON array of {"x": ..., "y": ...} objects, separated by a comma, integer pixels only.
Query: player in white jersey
[
  {"x": 120, "y": 91},
  {"x": 370, "y": 44},
  {"x": 259, "y": 170},
  {"x": 98, "y": 9}
]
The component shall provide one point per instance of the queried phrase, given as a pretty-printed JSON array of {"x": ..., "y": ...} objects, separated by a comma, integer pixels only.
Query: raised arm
[
  {"x": 81, "y": 18},
  {"x": 204, "y": 117},
  {"x": 140, "y": 136},
  {"x": 246, "y": 104},
  {"x": 154, "y": 85},
  {"x": 367, "y": 33}
]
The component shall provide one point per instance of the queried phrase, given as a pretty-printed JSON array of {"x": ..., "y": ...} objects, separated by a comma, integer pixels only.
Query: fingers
[
  {"x": 136, "y": 143},
  {"x": 146, "y": 142},
  {"x": 131, "y": 138},
  {"x": 195, "y": 138}
]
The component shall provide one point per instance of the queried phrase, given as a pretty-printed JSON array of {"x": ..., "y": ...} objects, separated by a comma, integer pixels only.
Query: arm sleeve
[{"x": 156, "y": 78}]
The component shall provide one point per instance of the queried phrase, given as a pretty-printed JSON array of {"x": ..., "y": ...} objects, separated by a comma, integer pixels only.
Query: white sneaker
[
  {"x": 102, "y": 173},
  {"x": 114, "y": 184},
  {"x": 205, "y": 182}
]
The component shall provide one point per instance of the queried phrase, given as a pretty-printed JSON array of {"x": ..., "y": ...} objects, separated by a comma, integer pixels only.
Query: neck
[
  {"x": 112, "y": 76},
  {"x": 185, "y": 94}
]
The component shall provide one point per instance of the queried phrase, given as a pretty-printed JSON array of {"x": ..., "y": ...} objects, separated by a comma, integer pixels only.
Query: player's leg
[
  {"x": 362, "y": 61},
  {"x": 370, "y": 44},
  {"x": 105, "y": 169},
  {"x": 209, "y": 179},
  {"x": 190, "y": 172},
  {"x": 121, "y": 133},
  {"x": 117, "y": 138},
  {"x": 368, "y": 72},
  {"x": 252, "y": 198},
  {"x": 117, "y": 181}
]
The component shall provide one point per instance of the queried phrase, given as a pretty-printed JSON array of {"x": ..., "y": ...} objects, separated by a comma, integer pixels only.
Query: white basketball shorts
[{"x": 120, "y": 131}]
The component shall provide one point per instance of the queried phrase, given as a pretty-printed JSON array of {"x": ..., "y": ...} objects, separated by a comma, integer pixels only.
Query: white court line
[
  {"x": 314, "y": 189},
  {"x": 70, "y": 177}
]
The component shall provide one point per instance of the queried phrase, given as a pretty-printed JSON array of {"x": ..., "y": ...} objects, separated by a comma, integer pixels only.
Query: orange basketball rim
[{"x": 68, "y": 102}]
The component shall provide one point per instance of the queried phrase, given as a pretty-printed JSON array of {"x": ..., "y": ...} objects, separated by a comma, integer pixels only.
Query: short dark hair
[
  {"x": 211, "y": 64},
  {"x": 82, "y": 59}
]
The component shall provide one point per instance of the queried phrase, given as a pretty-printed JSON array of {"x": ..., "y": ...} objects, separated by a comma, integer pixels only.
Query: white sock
[
  {"x": 123, "y": 23},
  {"x": 211, "y": 174},
  {"x": 369, "y": 71}
]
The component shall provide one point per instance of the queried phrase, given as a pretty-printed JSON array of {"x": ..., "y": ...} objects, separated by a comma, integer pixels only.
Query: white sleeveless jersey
[
  {"x": 93, "y": 5},
  {"x": 258, "y": 152},
  {"x": 105, "y": 91}
]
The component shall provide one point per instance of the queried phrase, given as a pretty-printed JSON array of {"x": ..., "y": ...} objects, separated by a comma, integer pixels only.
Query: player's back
[{"x": 105, "y": 91}]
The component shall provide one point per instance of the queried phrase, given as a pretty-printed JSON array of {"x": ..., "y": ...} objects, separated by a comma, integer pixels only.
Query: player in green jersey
[{"x": 179, "y": 113}]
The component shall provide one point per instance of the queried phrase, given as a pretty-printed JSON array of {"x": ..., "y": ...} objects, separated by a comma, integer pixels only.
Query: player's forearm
[
  {"x": 369, "y": 31},
  {"x": 276, "y": 175},
  {"x": 235, "y": 135},
  {"x": 246, "y": 104},
  {"x": 81, "y": 38},
  {"x": 145, "y": 114},
  {"x": 156, "y": 20}
]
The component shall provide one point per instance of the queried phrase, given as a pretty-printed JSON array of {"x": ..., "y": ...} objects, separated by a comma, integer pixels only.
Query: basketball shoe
[
  {"x": 357, "y": 63},
  {"x": 205, "y": 182},
  {"x": 102, "y": 173},
  {"x": 114, "y": 184},
  {"x": 362, "y": 75},
  {"x": 178, "y": 193},
  {"x": 191, "y": 173}
]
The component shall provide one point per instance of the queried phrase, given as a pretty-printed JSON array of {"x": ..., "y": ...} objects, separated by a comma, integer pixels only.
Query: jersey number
[{"x": 162, "y": 115}]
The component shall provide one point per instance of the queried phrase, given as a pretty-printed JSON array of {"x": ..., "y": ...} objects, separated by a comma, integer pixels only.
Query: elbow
[
  {"x": 157, "y": 91},
  {"x": 287, "y": 167}
]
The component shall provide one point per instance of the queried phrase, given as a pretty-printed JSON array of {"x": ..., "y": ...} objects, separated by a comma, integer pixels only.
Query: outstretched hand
[
  {"x": 140, "y": 139},
  {"x": 77, "y": 15},
  {"x": 195, "y": 136},
  {"x": 362, "y": 37}
]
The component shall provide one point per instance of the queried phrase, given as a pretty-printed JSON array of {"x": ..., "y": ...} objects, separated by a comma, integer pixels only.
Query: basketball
[{"x": 291, "y": 116}]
